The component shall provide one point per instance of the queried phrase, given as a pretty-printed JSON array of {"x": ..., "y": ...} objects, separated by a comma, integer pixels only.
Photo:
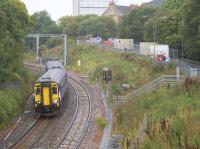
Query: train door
[{"x": 46, "y": 95}]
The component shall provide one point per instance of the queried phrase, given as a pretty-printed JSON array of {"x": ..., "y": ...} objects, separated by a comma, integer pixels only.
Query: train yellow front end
[{"x": 49, "y": 92}]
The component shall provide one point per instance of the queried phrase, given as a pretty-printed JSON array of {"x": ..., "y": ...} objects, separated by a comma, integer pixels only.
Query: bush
[{"x": 101, "y": 122}]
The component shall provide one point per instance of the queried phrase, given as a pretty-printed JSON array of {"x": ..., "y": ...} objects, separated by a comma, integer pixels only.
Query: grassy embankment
[
  {"x": 173, "y": 117},
  {"x": 126, "y": 68},
  {"x": 12, "y": 101}
]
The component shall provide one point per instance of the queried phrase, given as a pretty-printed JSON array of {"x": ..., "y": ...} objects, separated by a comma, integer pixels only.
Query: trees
[
  {"x": 192, "y": 29},
  {"x": 174, "y": 4},
  {"x": 14, "y": 21},
  {"x": 44, "y": 23},
  {"x": 131, "y": 25},
  {"x": 88, "y": 25}
]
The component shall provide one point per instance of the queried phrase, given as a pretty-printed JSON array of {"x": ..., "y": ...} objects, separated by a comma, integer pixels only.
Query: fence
[
  {"x": 10, "y": 85},
  {"x": 149, "y": 87},
  {"x": 189, "y": 68}
]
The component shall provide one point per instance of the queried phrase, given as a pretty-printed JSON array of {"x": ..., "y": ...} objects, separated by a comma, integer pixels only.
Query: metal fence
[
  {"x": 150, "y": 87},
  {"x": 189, "y": 68},
  {"x": 10, "y": 85}
]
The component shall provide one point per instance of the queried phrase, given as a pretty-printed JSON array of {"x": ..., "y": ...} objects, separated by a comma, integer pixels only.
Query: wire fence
[{"x": 189, "y": 68}]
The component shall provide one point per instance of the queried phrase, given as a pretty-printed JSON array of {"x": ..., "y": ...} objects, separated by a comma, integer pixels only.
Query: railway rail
[{"x": 73, "y": 134}]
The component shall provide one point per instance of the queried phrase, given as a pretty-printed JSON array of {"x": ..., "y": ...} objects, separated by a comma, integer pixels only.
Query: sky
[{"x": 59, "y": 8}]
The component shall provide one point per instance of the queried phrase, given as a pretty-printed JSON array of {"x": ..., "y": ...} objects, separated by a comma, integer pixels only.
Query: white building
[{"x": 85, "y": 7}]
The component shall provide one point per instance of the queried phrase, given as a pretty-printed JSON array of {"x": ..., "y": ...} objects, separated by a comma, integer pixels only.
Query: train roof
[
  {"x": 54, "y": 64},
  {"x": 53, "y": 75}
]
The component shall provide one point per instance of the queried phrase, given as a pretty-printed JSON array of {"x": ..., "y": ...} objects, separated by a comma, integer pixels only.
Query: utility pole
[
  {"x": 86, "y": 29},
  {"x": 154, "y": 37},
  {"x": 65, "y": 50},
  {"x": 38, "y": 36},
  {"x": 37, "y": 47},
  {"x": 182, "y": 47}
]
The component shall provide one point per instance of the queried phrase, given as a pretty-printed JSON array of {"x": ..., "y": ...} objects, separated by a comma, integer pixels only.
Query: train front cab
[{"x": 46, "y": 98}]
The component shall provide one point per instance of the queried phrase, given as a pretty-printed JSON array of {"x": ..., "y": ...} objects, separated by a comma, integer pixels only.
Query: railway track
[
  {"x": 76, "y": 131},
  {"x": 33, "y": 134},
  {"x": 71, "y": 134}
]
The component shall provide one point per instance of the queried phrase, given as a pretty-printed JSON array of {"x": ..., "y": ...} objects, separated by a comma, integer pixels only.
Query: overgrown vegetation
[
  {"x": 12, "y": 101},
  {"x": 127, "y": 68},
  {"x": 14, "y": 24},
  {"x": 172, "y": 115}
]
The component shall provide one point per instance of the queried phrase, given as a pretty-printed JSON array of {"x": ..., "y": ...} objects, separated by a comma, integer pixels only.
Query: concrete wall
[
  {"x": 123, "y": 44},
  {"x": 145, "y": 48}
]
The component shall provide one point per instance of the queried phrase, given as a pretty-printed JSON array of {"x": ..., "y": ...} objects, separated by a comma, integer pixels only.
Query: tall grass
[{"x": 173, "y": 117}]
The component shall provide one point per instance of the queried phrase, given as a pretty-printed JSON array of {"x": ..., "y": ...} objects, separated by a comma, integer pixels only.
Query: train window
[
  {"x": 54, "y": 90},
  {"x": 37, "y": 91}
]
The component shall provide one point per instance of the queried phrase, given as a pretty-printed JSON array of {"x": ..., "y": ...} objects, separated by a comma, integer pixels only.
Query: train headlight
[
  {"x": 37, "y": 102},
  {"x": 55, "y": 101}
]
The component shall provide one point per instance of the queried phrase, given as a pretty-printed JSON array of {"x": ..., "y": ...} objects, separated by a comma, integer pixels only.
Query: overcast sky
[{"x": 59, "y": 8}]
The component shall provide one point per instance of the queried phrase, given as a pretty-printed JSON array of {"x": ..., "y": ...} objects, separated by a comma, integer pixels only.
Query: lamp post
[
  {"x": 154, "y": 37},
  {"x": 86, "y": 28}
]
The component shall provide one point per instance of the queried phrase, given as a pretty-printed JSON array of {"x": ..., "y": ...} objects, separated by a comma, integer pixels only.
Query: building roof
[
  {"x": 123, "y": 9},
  {"x": 117, "y": 10}
]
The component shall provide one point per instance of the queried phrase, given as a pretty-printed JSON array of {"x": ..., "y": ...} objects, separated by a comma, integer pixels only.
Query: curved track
[
  {"x": 73, "y": 134},
  {"x": 76, "y": 131}
]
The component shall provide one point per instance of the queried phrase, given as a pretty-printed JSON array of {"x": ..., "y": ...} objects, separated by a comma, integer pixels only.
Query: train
[{"x": 50, "y": 88}]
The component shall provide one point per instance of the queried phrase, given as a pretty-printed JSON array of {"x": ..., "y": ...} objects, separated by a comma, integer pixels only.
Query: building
[
  {"x": 85, "y": 7},
  {"x": 116, "y": 11}
]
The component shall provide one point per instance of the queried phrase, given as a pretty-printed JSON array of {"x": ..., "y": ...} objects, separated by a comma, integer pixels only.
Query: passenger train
[{"x": 50, "y": 88}]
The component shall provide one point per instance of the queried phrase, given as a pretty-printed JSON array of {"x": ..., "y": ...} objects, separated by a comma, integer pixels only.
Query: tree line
[
  {"x": 14, "y": 24},
  {"x": 176, "y": 23}
]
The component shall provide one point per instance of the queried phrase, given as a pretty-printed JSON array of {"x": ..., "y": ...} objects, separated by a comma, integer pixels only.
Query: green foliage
[
  {"x": 93, "y": 60},
  {"x": 44, "y": 23},
  {"x": 14, "y": 21},
  {"x": 174, "y": 4},
  {"x": 172, "y": 117},
  {"x": 101, "y": 122},
  {"x": 131, "y": 25},
  {"x": 12, "y": 101},
  {"x": 192, "y": 29},
  {"x": 89, "y": 25}
]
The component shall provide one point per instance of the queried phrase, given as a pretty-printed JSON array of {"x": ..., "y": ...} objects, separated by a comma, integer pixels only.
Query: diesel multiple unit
[{"x": 50, "y": 88}]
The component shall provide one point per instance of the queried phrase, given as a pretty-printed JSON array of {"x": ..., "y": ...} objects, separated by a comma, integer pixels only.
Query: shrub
[{"x": 101, "y": 122}]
